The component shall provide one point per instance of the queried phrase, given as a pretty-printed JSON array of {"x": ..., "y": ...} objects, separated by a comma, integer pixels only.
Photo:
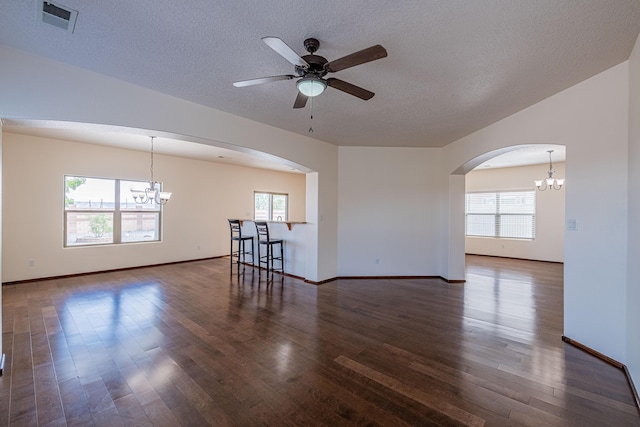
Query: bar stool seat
[
  {"x": 269, "y": 243},
  {"x": 241, "y": 251}
]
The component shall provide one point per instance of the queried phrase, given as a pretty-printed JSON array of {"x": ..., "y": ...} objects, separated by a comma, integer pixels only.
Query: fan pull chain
[{"x": 311, "y": 117}]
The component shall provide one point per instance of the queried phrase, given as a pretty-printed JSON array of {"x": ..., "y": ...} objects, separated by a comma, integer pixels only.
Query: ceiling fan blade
[
  {"x": 350, "y": 88},
  {"x": 261, "y": 80},
  {"x": 301, "y": 100},
  {"x": 285, "y": 51},
  {"x": 362, "y": 56}
]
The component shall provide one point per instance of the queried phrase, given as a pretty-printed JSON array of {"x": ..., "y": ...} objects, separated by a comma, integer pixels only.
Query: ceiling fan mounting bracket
[{"x": 311, "y": 45}]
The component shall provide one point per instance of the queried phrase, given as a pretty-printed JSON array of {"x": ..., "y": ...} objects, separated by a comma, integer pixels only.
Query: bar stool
[
  {"x": 241, "y": 250},
  {"x": 264, "y": 240}
]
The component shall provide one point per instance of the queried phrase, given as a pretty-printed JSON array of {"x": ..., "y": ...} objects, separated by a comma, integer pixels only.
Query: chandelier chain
[{"x": 152, "y": 181}]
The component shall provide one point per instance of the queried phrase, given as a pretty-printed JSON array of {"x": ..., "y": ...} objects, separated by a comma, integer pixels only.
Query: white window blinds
[{"x": 508, "y": 214}]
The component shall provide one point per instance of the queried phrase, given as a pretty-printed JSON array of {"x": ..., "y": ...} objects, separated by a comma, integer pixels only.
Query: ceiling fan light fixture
[{"x": 311, "y": 86}]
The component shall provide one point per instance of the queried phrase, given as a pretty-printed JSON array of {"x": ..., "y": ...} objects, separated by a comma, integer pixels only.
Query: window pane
[
  {"x": 517, "y": 202},
  {"x": 517, "y": 226},
  {"x": 481, "y": 203},
  {"x": 88, "y": 228},
  {"x": 279, "y": 210},
  {"x": 140, "y": 226},
  {"x": 481, "y": 225},
  {"x": 89, "y": 193},
  {"x": 92, "y": 212},
  {"x": 261, "y": 207},
  {"x": 127, "y": 201}
]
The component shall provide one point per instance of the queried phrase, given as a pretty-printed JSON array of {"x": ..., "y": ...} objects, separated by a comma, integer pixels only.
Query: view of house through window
[
  {"x": 100, "y": 211},
  {"x": 270, "y": 206},
  {"x": 508, "y": 214}
]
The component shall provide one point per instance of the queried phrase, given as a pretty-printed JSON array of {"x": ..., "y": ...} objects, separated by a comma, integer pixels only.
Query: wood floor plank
[
  {"x": 74, "y": 401},
  {"x": 48, "y": 399},
  {"x": 454, "y": 413},
  {"x": 159, "y": 414},
  {"x": 190, "y": 344}
]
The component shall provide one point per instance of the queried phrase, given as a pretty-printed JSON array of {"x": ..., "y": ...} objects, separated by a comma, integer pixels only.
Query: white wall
[
  {"x": 633, "y": 292},
  {"x": 548, "y": 244},
  {"x": 194, "y": 226},
  {"x": 591, "y": 120},
  {"x": 388, "y": 221}
]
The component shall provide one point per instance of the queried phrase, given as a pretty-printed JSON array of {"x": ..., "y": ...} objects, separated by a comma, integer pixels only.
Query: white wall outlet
[{"x": 31, "y": 263}]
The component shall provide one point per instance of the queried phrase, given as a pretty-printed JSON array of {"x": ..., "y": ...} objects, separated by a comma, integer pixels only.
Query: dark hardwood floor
[{"x": 189, "y": 344}]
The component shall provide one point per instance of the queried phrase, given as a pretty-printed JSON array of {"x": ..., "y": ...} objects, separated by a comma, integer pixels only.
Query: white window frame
[
  {"x": 270, "y": 205},
  {"x": 497, "y": 214},
  {"x": 116, "y": 212}
]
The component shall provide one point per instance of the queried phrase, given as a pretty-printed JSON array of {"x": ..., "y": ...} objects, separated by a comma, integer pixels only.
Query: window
[
  {"x": 99, "y": 211},
  {"x": 270, "y": 207},
  {"x": 501, "y": 214}
]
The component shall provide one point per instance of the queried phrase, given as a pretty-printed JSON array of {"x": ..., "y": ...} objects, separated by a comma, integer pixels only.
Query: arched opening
[
  {"x": 506, "y": 215},
  {"x": 454, "y": 266},
  {"x": 205, "y": 176}
]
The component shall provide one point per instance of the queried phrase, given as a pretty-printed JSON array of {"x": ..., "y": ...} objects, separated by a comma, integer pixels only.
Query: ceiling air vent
[{"x": 57, "y": 15}]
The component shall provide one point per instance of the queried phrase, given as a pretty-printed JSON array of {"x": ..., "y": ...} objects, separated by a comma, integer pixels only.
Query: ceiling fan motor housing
[{"x": 316, "y": 66}]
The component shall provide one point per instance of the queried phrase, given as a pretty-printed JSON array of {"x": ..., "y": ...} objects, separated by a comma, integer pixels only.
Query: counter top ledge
[{"x": 289, "y": 223}]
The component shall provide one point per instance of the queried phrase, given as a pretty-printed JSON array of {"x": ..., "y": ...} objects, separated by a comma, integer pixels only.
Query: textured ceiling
[{"x": 453, "y": 67}]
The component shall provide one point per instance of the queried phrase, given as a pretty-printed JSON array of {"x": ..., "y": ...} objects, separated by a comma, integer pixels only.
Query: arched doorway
[
  {"x": 506, "y": 216},
  {"x": 206, "y": 191},
  {"x": 454, "y": 243}
]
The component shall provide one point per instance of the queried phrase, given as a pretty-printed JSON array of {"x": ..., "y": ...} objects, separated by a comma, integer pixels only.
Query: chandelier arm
[{"x": 159, "y": 200}]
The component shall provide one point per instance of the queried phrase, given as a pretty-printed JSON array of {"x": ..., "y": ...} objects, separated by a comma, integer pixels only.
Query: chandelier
[
  {"x": 550, "y": 181},
  {"x": 151, "y": 194}
]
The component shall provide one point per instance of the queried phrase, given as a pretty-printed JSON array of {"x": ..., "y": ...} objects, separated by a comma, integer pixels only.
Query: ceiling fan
[{"x": 312, "y": 68}]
